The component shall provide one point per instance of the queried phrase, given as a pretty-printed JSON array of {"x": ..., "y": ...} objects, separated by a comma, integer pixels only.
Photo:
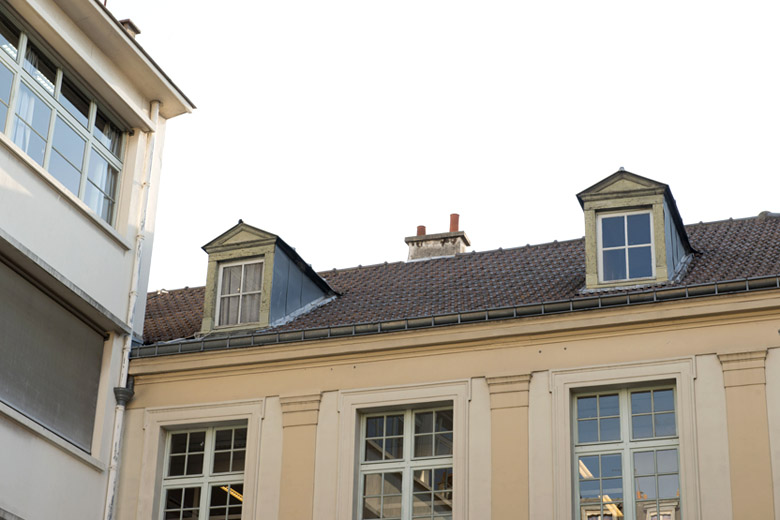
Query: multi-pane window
[
  {"x": 57, "y": 124},
  {"x": 240, "y": 289},
  {"x": 625, "y": 246},
  {"x": 406, "y": 465},
  {"x": 626, "y": 455},
  {"x": 204, "y": 474}
]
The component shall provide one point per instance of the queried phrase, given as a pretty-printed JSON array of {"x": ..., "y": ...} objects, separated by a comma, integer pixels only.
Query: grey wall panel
[
  {"x": 279, "y": 286},
  {"x": 49, "y": 360}
]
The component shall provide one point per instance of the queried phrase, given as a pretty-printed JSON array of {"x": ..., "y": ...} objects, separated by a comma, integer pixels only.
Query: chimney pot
[
  {"x": 420, "y": 231},
  {"x": 131, "y": 28},
  {"x": 454, "y": 218}
]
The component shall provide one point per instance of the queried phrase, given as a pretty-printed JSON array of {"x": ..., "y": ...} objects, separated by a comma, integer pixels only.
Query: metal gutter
[{"x": 654, "y": 295}]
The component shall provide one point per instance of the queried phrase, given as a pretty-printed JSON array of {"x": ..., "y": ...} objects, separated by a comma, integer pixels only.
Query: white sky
[{"x": 340, "y": 125}]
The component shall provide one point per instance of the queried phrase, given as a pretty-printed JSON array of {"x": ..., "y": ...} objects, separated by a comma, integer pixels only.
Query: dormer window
[
  {"x": 625, "y": 246},
  {"x": 633, "y": 233},
  {"x": 239, "y": 293}
]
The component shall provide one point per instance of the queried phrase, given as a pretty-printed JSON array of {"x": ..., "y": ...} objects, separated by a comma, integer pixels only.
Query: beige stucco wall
[{"x": 505, "y": 366}]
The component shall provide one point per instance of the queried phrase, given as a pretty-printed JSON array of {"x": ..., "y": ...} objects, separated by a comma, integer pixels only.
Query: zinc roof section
[{"x": 725, "y": 250}]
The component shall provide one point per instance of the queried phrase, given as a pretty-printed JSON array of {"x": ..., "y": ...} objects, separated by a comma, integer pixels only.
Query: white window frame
[
  {"x": 353, "y": 405},
  {"x": 626, "y": 247},
  {"x": 408, "y": 463},
  {"x": 206, "y": 478},
  {"x": 159, "y": 421},
  {"x": 240, "y": 294},
  {"x": 21, "y": 75},
  {"x": 564, "y": 384},
  {"x": 625, "y": 446}
]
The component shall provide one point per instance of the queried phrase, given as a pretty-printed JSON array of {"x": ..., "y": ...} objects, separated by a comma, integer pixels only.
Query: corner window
[
  {"x": 625, "y": 246},
  {"x": 204, "y": 474},
  {"x": 57, "y": 124},
  {"x": 240, "y": 288},
  {"x": 626, "y": 455},
  {"x": 406, "y": 465}
]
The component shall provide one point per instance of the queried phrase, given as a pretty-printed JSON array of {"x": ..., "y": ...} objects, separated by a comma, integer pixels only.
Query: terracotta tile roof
[{"x": 725, "y": 250}]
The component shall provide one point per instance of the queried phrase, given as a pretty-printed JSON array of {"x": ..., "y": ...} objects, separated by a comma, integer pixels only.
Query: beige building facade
[
  {"x": 572, "y": 386},
  {"x": 83, "y": 111}
]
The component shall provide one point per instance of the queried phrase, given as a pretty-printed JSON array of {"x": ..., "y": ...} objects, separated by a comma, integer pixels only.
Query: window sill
[
  {"x": 64, "y": 193},
  {"x": 52, "y": 438}
]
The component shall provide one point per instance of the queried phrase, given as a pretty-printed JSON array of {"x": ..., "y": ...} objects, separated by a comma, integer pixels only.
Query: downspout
[{"x": 124, "y": 392}]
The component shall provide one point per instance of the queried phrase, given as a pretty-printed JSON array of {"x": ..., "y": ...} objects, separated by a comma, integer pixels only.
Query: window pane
[
  {"x": 374, "y": 449},
  {"x": 668, "y": 486},
  {"x": 179, "y": 443},
  {"x": 176, "y": 465},
  {"x": 640, "y": 262},
  {"x": 395, "y": 425},
  {"x": 107, "y": 133},
  {"x": 64, "y": 172},
  {"x": 443, "y": 444},
  {"x": 372, "y": 484},
  {"x": 222, "y": 462},
  {"x": 642, "y": 426},
  {"x": 30, "y": 142},
  {"x": 423, "y": 422},
  {"x": 423, "y": 446},
  {"x": 586, "y": 407},
  {"x": 74, "y": 102},
  {"x": 253, "y": 274},
  {"x": 645, "y": 487},
  {"x": 665, "y": 425},
  {"x": 394, "y": 448},
  {"x": 375, "y": 426},
  {"x": 663, "y": 400},
  {"x": 195, "y": 464},
  {"x": 643, "y": 463},
  {"x": 239, "y": 458},
  {"x": 442, "y": 478},
  {"x": 6, "y": 80},
  {"x": 589, "y": 466},
  {"x": 239, "y": 439},
  {"x": 614, "y": 264},
  {"x": 638, "y": 229},
  {"x": 99, "y": 202},
  {"x": 667, "y": 461},
  {"x": 231, "y": 279},
  {"x": 611, "y": 465},
  {"x": 33, "y": 111},
  {"x": 613, "y": 232},
  {"x": 228, "y": 310},
  {"x": 612, "y": 488},
  {"x": 641, "y": 402},
  {"x": 391, "y": 507},
  {"x": 587, "y": 431},
  {"x": 102, "y": 174},
  {"x": 250, "y": 308},
  {"x": 444, "y": 421},
  {"x": 40, "y": 68},
  {"x": 609, "y": 405},
  {"x": 223, "y": 440},
  {"x": 589, "y": 489},
  {"x": 392, "y": 483},
  {"x": 9, "y": 37},
  {"x": 610, "y": 429},
  {"x": 68, "y": 143}
]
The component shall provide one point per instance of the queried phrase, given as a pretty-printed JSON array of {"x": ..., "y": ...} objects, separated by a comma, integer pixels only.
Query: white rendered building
[{"x": 82, "y": 117}]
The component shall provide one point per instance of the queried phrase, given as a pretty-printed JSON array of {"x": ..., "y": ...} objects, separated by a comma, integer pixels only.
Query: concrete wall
[{"x": 510, "y": 383}]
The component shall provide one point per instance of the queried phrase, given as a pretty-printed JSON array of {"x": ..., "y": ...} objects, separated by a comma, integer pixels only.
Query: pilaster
[{"x": 299, "y": 438}]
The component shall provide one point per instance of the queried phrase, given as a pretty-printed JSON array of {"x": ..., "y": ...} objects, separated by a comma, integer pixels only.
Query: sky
[{"x": 342, "y": 125}]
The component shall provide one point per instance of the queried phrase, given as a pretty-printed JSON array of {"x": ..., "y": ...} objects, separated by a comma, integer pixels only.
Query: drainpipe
[{"x": 124, "y": 392}]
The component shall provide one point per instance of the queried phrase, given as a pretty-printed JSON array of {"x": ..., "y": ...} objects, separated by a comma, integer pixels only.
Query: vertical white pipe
[{"x": 119, "y": 411}]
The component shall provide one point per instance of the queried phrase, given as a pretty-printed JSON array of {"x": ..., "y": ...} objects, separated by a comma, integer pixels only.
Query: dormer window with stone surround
[
  {"x": 255, "y": 280},
  {"x": 633, "y": 232}
]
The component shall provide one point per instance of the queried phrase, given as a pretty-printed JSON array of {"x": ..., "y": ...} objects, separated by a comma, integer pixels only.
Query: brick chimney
[{"x": 438, "y": 244}]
